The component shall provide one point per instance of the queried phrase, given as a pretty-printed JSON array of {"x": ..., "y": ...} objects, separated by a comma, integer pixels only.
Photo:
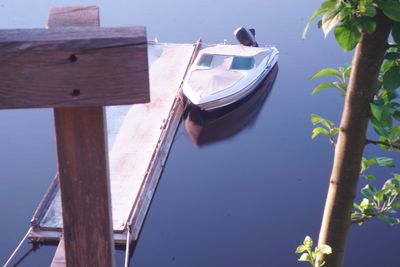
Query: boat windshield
[
  {"x": 205, "y": 60},
  {"x": 242, "y": 63}
]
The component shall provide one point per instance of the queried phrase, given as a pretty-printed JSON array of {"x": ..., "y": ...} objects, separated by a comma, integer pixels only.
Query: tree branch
[
  {"x": 382, "y": 143},
  {"x": 363, "y": 219}
]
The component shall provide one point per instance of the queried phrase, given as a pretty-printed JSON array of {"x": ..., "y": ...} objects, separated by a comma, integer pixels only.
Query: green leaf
[
  {"x": 347, "y": 71},
  {"x": 325, "y": 6},
  {"x": 377, "y": 111},
  {"x": 347, "y": 35},
  {"x": 323, "y": 86},
  {"x": 333, "y": 16},
  {"x": 392, "y": 184},
  {"x": 364, "y": 165},
  {"x": 397, "y": 204},
  {"x": 315, "y": 119},
  {"x": 355, "y": 205},
  {"x": 391, "y": 78},
  {"x": 319, "y": 130},
  {"x": 301, "y": 249},
  {"x": 396, "y": 32},
  {"x": 368, "y": 192},
  {"x": 370, "y": 177},
  {"x": 390, "y": 8},
  {"x": 381, "y": 131},
  {"x": 388, "y": 220},
  {"x": 342, "y": 86},
  {"x": 385, "y": 162},
  {"x": 396, "y": 115},
  {"x": 324, "y": 249},
  {"x": 355, "y": 215},
  {"x": 371, "y": 162},
  {"x": 335, "y": 131},
  {"x": 382, "y": 114},
  {"x": 387, "y": 64},
  {"x": 327, "y": 124},
  {"x": 365, "y": 204},
  {"x": 370, "y": 12},
  {"x": 395, "y": 130},
  {"x": 308, "y": 242},
  {"x": 326, "y": 72},
  {"x": 367, "y": 24},
  {"x": 382, "y": 196},
  {"x": 392, "y": 55},
  {"x": 305, "y": 257}
]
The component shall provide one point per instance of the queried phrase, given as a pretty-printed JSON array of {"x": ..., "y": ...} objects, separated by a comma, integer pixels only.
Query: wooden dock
[{"x": 139, "y": 139}]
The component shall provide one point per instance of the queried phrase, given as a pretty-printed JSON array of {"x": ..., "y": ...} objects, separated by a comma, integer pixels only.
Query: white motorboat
[
  {"x": 223, "y": 74},
  {"x": 205, "y": 127}
]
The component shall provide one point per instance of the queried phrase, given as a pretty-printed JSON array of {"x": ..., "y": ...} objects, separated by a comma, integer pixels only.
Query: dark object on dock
[
  {"x": 205, "y": 127},
  {"x": 246, "y": 37}
]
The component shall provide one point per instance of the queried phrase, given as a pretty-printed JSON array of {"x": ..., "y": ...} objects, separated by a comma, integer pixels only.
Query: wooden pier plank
[{"x": 135, "y": 145}]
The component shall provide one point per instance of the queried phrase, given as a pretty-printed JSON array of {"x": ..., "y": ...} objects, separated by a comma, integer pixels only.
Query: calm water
[{"x": 247, "y": 200}]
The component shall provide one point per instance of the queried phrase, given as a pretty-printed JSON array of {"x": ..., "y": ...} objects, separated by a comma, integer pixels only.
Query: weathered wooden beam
[
  {"x": 70, "y": 38},
  {"x": 84, "y": 176},
  {"x": 73, "y": 66},
  {"x": 84, "y": 182},
  {"x": 73, "y": 16}
]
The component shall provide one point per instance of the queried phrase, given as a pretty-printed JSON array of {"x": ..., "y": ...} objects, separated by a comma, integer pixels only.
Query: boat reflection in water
[{"x": 205, "y": 127}]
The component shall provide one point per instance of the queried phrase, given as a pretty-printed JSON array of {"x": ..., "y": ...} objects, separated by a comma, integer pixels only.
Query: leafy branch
[
  {"x": 328, "y": 128},
  {"x": 311, "y": 256},
  {"x": 384, "y": 162},
  {"x": 386, "y": 145},
  {"x": 342, "y": 74},
  {"x": 354, "y": 17},
  {"x": 379, "y": 203}
]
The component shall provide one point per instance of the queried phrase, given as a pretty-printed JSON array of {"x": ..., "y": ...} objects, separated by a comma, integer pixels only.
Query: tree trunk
[{"x": 366, "y": 64}]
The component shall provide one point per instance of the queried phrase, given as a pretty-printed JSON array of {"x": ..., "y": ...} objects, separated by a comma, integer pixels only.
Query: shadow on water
[{"x": 205, "y": 127}]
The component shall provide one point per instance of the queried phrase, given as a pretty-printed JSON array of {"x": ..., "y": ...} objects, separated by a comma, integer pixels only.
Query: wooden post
[
  {"x": 84, "y": 182},
  {"x": 83, "y": 167}
]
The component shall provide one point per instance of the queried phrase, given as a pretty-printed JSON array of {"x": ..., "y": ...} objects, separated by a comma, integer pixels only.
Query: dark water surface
[{"x": 247, "y": 200}]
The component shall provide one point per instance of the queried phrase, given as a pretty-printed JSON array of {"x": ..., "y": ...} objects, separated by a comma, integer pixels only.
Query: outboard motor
[{"x": 246, "y": 37}]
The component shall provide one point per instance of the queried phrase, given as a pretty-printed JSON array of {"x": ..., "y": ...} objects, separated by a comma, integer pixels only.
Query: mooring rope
[
  {"x": 17, "y": 248},
  {"x": 128, "y": 241}
]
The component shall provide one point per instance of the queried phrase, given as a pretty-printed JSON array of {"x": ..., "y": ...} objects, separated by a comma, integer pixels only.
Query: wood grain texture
[
  {"x": 72, "y": 66},
  {"x": 84, "y": 183},
  {"x": 70, "y": 38},
  {"x": 59, "y": 258},
  {"x": 83, "y": 16}
]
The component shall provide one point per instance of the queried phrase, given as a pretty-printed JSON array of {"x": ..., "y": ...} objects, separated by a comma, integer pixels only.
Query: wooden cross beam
[{"x": 77, "y": 68}]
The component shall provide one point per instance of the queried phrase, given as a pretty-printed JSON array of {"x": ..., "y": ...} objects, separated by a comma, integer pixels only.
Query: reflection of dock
[
  {"x": 139, "y": 138},
  {"x": 204, "y": 127}
]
